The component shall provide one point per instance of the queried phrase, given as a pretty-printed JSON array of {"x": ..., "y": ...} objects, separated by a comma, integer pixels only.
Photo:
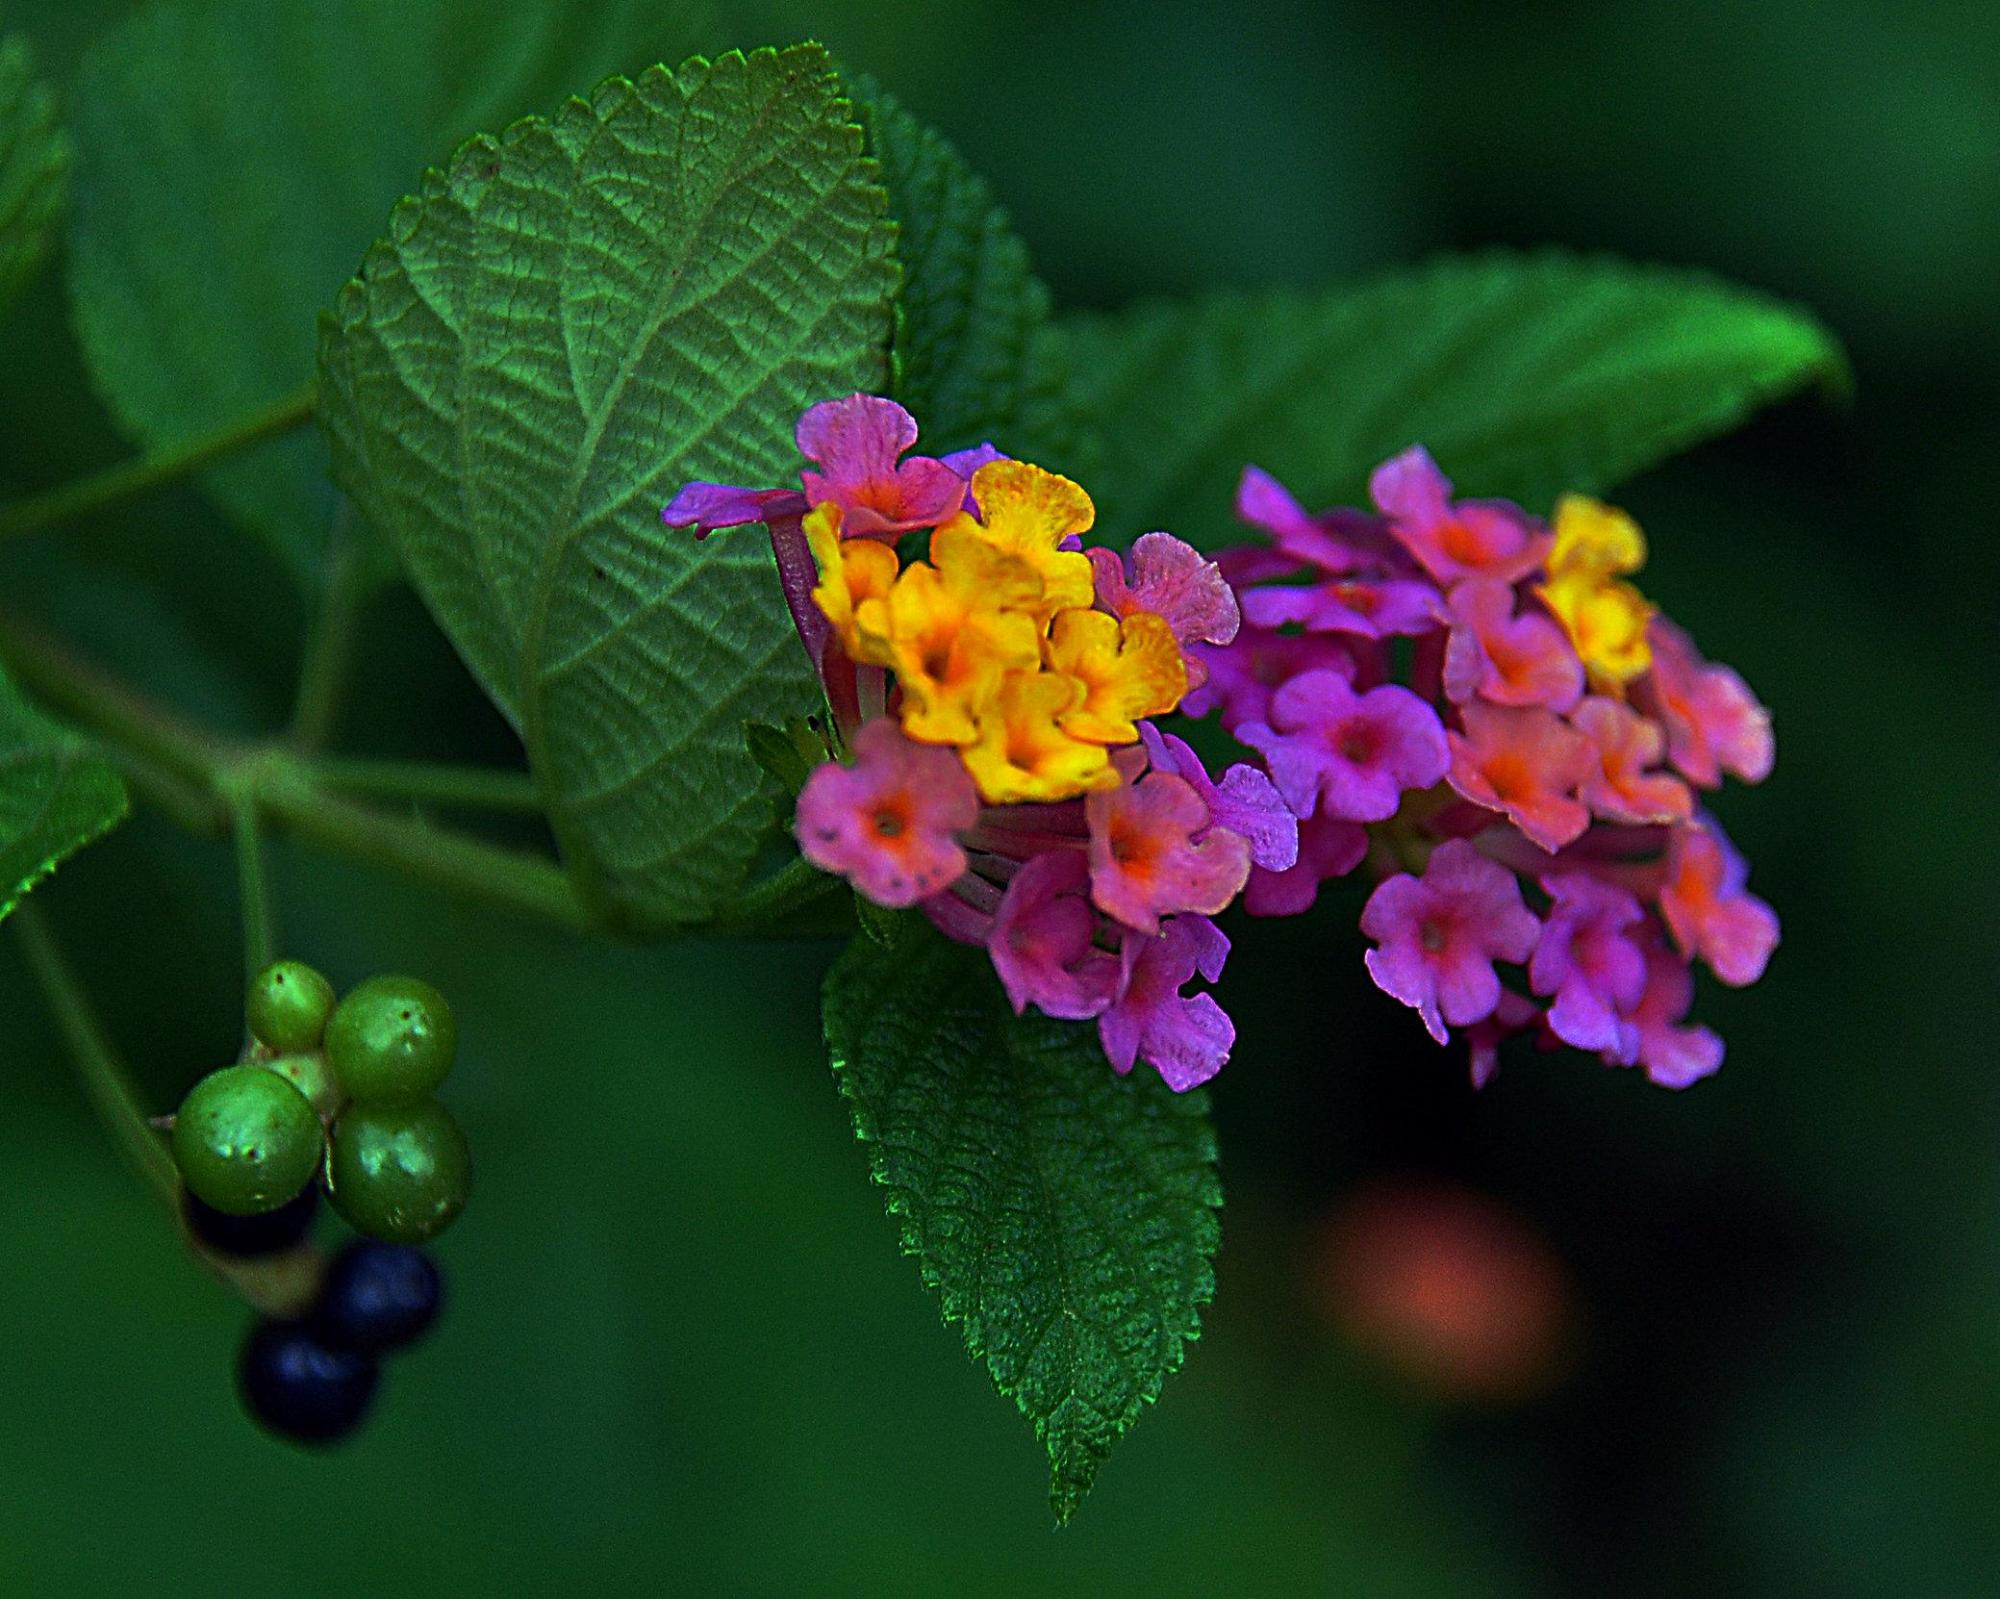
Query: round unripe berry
[
  {"x": 288, "y": 1006},
  {"x": 377, "y": 1297},
  {"x": 392, "y": 1041},
  {"x": 398, "y": 1172},
  {"x": 301, "y": 1388},
  {"x": 246, "y": 1140},
  {"x": 311, "y": 1076},
  {"x": 252, "y": 1237}
]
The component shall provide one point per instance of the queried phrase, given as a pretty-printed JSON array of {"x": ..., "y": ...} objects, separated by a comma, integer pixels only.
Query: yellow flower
[
  {"x": 1594, "y": 540},
  {"x": 1606, "y": 619},
  {"x": 855, "y": 576},
  {"x": 956, "y": 627},
  {"x": 1024, "y": 754},
  {"x": 1129, "y": 668},
  {"x": 1027, "y": 513}
]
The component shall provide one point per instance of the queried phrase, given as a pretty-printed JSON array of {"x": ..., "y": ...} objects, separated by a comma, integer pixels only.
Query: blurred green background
[{"x": 682, "y": 1354}]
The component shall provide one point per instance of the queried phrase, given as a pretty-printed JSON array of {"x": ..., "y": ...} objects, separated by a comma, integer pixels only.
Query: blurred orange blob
[{"x": 1449, "y": 1288}]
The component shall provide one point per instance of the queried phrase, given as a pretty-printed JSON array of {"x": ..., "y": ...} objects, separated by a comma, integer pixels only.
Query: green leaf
[
  {"x": 1064, "y": 1215},
  {"x": 788, "y": 753},
  {"x": 236, "y": 158},
  {"x": 575, "y": 319},
  {"x": 56, "y": 795},
  {"x": 1524, "y": 375},
  {"x": 34, "y": 168},
  {"x": 977, "y": 357}
]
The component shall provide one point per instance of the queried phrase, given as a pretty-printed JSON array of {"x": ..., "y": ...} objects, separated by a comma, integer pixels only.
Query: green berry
[
  {"x": 399, "y": 1172},
  {"x": 246, "y": 1140},
  {"x": 311, "y": 1076},
  {"x": 288, "y": 1006},
  {"x": 392, "y": 1041}
]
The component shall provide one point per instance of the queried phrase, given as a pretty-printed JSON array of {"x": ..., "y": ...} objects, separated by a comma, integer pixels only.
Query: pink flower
[
  {"x": 1623, "y": 788},
  {"x": 1527, "y": 763},
  {"x": 1243, "y": 677},
  {"x": 1709, "y": 911},
  {"x": 1186, "y": 1039},
  {"x": 1714, "y": 723},
  {"x": 1042, "y": 940},
  {"x": 1673, "y": 1056},
  {"x": 1587, "y": 960},
  {"x": 1174, "y": 581},
  {"x": 1514, "y": 1014},
  {"x": 1329, "y": 847},
  {"x": 1454, "y": 539},
  {"x": 1246, "y": 802},
  {"x": 708, "y": 506},
  {"x": 1440, "y": 934},
  {"x": 855, "y": 441},
  {"x": 1336, "y": 542},
  {"x": 1153, "y": 852},
  {"x": 1370, "y": 607},
  {"x": 886, "y": 822},
  {"x": 1504, "y": 658},
  {"x": 1347, "y": 754}
]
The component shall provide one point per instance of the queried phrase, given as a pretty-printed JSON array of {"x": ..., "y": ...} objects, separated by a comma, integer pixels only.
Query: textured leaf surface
[
  {"x": 1064, "y": 1215},
  {"x": 977, "y": 357},
  {"x": 56, "y": 796},
  {"x": 34, "y": 168},
  {"x": 236, "y": 158},
  {"x": 1525, "y": 375},
  {"x": 575, "y": 319}
]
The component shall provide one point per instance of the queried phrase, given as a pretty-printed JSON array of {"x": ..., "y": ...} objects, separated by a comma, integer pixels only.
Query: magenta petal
[
  {"x": 887, "y": 823},
  {"x": 1263, "y": 502},
  {"x": 857, "y": 438},
  {"x": 1041, "y": 942},
  {"x": 1190, "y": 1042},
  {"x": 1347, "y": 754},
  {"x": 1587, "y": 961},
  {"x": 1175, "y": 581},
  {"x": 1410, "y": 487},
  {"x": 706, "y": 506},
  {"x": 1328, "y": 848},
  {"x": 1186, "y": 1039},
  {"x": 1439, "y": 935},
  {"x": 1246, "y": 803},
  {"x": 967, "y": 462}
]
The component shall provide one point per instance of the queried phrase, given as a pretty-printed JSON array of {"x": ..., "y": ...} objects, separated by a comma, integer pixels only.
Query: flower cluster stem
[
  {"x": 103, "y": 1074},
  {"x": 202, "y": 777},
  {"x": 149, "y": 472}
]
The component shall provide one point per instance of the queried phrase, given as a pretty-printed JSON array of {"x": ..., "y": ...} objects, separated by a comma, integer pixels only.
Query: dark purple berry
[
  {"x": 251, "y": 1237},
  {"x": 301, "y": 1388},
  {"x": 377, "y": 1297}
]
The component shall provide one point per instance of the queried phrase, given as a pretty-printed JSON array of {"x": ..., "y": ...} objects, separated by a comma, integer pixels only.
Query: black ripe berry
[
  {"x": 302, "y": 1388},
  {"x": 377, "y": 1297},
  {"x": 251, "y": 1237}
]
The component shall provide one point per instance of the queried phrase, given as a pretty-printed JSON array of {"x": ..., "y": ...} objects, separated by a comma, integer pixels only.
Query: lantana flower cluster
[
  {"x": 1484, "y": 710},
  {"x": 992, "y": 682}
]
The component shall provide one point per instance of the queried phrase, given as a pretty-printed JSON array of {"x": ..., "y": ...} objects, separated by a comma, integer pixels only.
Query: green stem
[
  {"x": 280, "y": 1285},
  {"x": 259, "y": 934},
  {"x": 454, "y": 863},
  {"x": 149, "y": 472},
  {"x": 329, "y": 651},
  {"x": 281, "y": 787},
  {"x": 472, "y": 788},
  {"x": 104, "y": 1076}
]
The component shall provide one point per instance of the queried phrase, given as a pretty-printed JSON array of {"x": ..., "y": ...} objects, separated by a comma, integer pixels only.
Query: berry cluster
[{"x": 340, "y": 1097}]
